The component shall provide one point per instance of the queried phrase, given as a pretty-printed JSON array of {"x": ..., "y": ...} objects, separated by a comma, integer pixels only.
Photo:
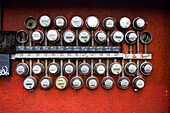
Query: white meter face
[
  {"x": 84, "y": 36},
  {"x": 132, "y": 37},
  {"x": 140, "y": 83},
  {"x": 61, "y": 82},
  {"x": 92, "y": 83},
  {"x": 69, "y": 36},
  {"x": 45, "y": 21},
  {"x": 60, "y": 22},
  {"x": 53, "y": 35},
  {"x": 45, "y": 83},
  {"x": 36, "y": 36},
  {"x": 100, "y": 69},
  {"x": 76, "y": 22},
  {"x": 69, "y": 69},
  {"x": 124, "y": 83},
  {"x": 85, "y": 69},
  {"x": 100, "y": 37},
  {"x": 147, "y": 68},
  {"x": 116, "y": 68},
  {"x": 124, "y": 22},
  {"x": 140, "y": 22},
  {"x": 109, "y": 23},
  {"x": 53, "y": 69},
  {"x": 108, "y": 83},
  {"x": 38, "y": 69},
  {"x": 22, "y": 69},
  {"x": 117, "y": 37},
  {"x": 29, "y": 83},
  {"x": 76, "y": 83},
  {"x": 132, "y": 68},
  {"x": 92, "y": 22}
]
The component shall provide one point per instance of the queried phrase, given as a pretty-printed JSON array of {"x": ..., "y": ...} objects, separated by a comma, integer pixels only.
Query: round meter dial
[
  {"x": 53, "y": 35},
  {"x": 100, "y": 68},
  {"x": 46, "y": 82},
  {"x": 138, "y": 82},
  {"x": 30, "y": 23},
  {"x": 84, "y": 69},
  {"x": 130, "y": 37},
  {"x": 38, "y": 69},
  {"x": 69, "y": 68},
  {"x": 22, "y": 36},
  {"x": 123, "y": 82},
  {"x": 60, "y": 22},
  {"x": 69, "y": 36},
  {"x": 92, "y": 22},
  {"x": 124, "y": 23},
  {"x": 53, "y": 68},
  {"x": 84, "y": 36},
  {"x": 109, "y": 23},
  {"x": 117, "y": 37},
  {"x": 107, "y": 82},
  {"x": 92, "y": 82},
  {"x": 100, "y": 37},
  {"x": 139, "y": 23},
  {"x": 115, "y": 68},
  {"x": 130, "y": 68},
  {"x": 145, "y": 37},
  {"x": 146, "y": 68},
  {"x": 37, "y": 36},
  {"x": 45, "y": 21},
  {"x": 76, "y": 22},
  {"x": 30, "y": 82},
  {"x": 76, "y": 82},
  {"x": 22, "y": 69},
  {"x": 61, "y": 82}
]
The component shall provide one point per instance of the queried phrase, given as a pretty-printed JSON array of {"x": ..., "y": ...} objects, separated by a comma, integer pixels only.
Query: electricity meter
[
  {"x": 38, "y": 68},
  {"x": 145, "y": 37},
  {"x": 100, "y": 68},
  {"x": 30, "y": 23},
  {"x": 146, "y": 68},
  {"x": 100, "y": 37},
  {"x": 139, "y": 23},
  {"x": 69, "y": 68},
  {"x": 61, "y": 82},
  {"x": 22, "y": 69},
  {"x": 30, "y": 82},
  {"x": 130, "y": 37},
  {"x": 76, "y": 22},
  {"x": 117, "y": 37},
  {"x": 84, "y": 69},
  {"x": 84, "y": 36},
  {"x": 107, "y": 82},
  {"x": 46, "y": 82},
  {"x": 124, "y": 23},
  {"x": 60, "y": 22},
  {"x": 53, "y": 68},
  {"x": 138, "y": 82},
  {"x": 92, "y": 82},
  {"x": 37, "y": 36},
  {"x": 109, "y": 23},
  {"x": 123, "y": 82},
  {"x": 22, "y": 36},
  {"x": 115, "y": 68},
  {"x": 130, "y": 68},
  {"x": 92, "y": 22},
  {"x": 45, "y": 21},
  {"x": 53, "y": 35},
  {"x": 76, "y": 82},
  {"x": 69, "y": 36}
]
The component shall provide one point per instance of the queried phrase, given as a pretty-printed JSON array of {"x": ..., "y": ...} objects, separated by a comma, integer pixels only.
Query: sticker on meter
[
  {"x": 45, "y": 21},
  {"x": 69, "y": 36},
  {"x": 84, "y": 36}
]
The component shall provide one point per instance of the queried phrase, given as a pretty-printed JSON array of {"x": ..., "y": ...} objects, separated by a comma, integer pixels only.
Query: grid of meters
[{"x": 49, "y": 37}]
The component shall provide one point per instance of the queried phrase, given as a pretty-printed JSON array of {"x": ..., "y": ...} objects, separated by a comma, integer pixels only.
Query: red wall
[{"x": 154, "y": 98}]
